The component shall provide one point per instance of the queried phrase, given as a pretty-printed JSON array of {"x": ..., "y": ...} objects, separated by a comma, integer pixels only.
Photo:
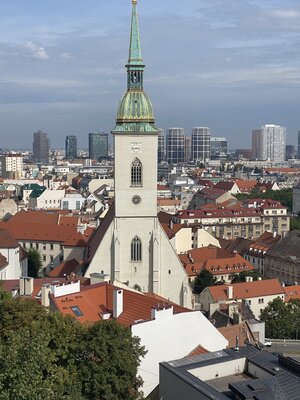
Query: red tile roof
[
  {"x": 65, "y": 269},
  {"x": 216, "y": 260},
  {"x": 292, "y": 292},
  {"x": 7, "y": 240},
  {"x": 244, "y": 290},
  {"x": 224, "y": 185},
  {"x": 97, "y": 299},
  {"x": 46, "y": 226}
]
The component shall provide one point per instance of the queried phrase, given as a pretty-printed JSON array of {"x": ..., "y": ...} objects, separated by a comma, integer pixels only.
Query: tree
[
  {"x": 285, "y": 196},
  {"x": 48, "y": 356},
  {"x": 241, "y": 277},
  {"x": 34, "y": 263},
  {"x": 204, "y": 279},
  {"x": 295, "y": 223},
  {"x": 282, "y": 320}
]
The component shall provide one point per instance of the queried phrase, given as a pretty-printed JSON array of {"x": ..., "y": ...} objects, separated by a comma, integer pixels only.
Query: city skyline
[{"x": 61, "y": 69}]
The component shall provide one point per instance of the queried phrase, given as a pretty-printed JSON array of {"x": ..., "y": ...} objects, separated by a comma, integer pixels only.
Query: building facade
[
  {"x": 200, "y": 144},
  {"x": 218, "y": 148},
  {"x": 11, "y": 166},
  {"x": 175, "y": 143},
  {"x": 98, "y": 145},
  {"x": 71, "y": 147},
  {"x": 41, "y": 147},
  {"x": 257, "y": 144},
  {"x": 161, "y": 150},
  {"x": 130, "y": 245},
  {"x": 273, "y": 142}
]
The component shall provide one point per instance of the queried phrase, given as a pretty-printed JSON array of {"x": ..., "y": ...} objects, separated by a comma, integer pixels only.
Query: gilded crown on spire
[{"x": 134, "y": 1}]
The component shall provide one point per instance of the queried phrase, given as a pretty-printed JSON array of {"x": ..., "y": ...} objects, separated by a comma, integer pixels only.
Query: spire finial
[{"x": 134, "y": 1}]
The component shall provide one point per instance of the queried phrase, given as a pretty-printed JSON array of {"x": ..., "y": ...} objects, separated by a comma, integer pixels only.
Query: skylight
[{"x": 76, "y": 310}]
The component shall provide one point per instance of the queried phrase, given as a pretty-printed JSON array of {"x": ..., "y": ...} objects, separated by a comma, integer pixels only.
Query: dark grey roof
[
  {"x": 220, "y": 319},
  {"x": 287, "y": 247}
]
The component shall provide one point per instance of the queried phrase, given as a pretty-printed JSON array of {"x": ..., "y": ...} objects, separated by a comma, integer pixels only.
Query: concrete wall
[{"x": 171, "y": 336}]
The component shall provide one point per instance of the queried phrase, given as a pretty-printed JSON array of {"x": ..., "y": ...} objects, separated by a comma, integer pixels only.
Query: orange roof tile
[
  {"x": 292, "y": 292},
  {"x": 245, "y": 290},
  {"x": 97, "y": 299}
]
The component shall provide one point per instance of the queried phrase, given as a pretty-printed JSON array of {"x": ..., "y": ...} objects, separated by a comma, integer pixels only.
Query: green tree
[
  {"x": 34, "y": 263},
  {"x": 295, "y": 223},
  {"x": 204, "y": 279},
  {"x": 48, "y": 356},
  {"x": 282, "y": 320},
  {"x": 241, "y": 277},
  {"x": 285, "y": 196}
]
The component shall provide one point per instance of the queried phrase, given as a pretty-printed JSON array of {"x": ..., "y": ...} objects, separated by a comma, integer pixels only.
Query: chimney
[
  {"x": 117, "y": 303},
  {"x": 236, "y": 344},
  {"x": 22, "y": 286},
  {"x": 230, "y": 292},
  {"x": 247, "y": 279},
  {"x": 28, "y": 286},
  {"x": 250, "y": 278},
  {"x": 259, "y": 278},
  {"x": 45, "y": 299}
]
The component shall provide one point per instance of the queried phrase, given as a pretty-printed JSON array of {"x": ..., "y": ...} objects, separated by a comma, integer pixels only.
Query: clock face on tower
[{"x": 136, "y": 148}]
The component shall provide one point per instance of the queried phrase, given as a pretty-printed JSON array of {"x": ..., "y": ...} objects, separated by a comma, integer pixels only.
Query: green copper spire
[
  {"x": 135, "y": 54},
  {"x": 135, "y": 112}
]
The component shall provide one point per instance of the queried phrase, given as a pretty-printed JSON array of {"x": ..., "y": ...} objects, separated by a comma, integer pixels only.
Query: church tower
[
  {"x": 130, "y": 245},
  {"x": 135, "y": 140}
]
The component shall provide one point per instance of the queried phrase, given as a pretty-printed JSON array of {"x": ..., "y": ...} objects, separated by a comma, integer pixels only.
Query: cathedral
[{"x": 130, "y": 245}]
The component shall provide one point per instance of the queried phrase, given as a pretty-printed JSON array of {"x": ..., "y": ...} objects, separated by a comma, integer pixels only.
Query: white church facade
[{"x": 130, "y": 245}]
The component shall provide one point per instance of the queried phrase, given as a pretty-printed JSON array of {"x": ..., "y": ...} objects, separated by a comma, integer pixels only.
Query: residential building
[
  {"x": 256, "y": 250},
  {"x": 282, "y": 260},
  {"x": 273, "y": 141},
  {"x": 46, "y": 199},
  {"x": 13, "y": 259},
  {"x": 177, "y": 330},
  {"x": 257, "y": 294},
  {"x": 200, "y": 144},
  {"x": 41, "y": 147},
  {"x": 228, "y": 186},
  {"x": 175, "y": 145},
  {"x": 71, "y": 147},
  {"x": 56, "y": 235},
  {"x": 242, "y": 372},
  {"x": 249, "y": 221},
  {"x": 11, "y": 166},
  {"x": 8, "y": 207},
  {"x": 130, "y": 245},
  {"x": 290, "y": 151},
  {"x": 98, "y": 145},
  {"x": 218, "y": 148},
  {"x": 161, "y": 150},
  {"x": 219, "y": 262}
]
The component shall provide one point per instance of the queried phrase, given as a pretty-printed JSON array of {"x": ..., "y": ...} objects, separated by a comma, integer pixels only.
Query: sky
[{"x": 231, "y": 65}]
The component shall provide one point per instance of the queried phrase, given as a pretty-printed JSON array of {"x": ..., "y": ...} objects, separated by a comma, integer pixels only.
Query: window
[
  {"x": 44, "y": 246},
  {"x": 136, "y": 173},
  {"x": 51, "y": 258},
  {"x": 37, "y": 246},
  {"x": 51, "y": 246},
  {"x": 136, "y": 249},
  {"x": 76, "y": 310},
  {"x": 44, "y": 258}
]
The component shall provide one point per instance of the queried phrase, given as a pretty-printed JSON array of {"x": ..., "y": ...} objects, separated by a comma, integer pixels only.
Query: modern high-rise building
[
  {"x": 268, "y": 143},
  {"x": 41, "y": 146},
  {"x": 200, "y": 144},
  {"x": 187, "y": 148},
  {"x": 218, "y": 148},
  {"x": 98, "y": 145},
  {"x": 161, "y": 153},
  {"x": 257, "y": 144},
  {"x": 175, "y": 145},
  {"x": 71, "y": 147},
  {"x": 290, "y": 151}
]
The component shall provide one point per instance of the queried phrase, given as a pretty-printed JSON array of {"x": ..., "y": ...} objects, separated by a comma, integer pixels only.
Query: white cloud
[
  {"x": 66, "y": 56},
  {"x": 286, "y": 14},
  {"x": 37, "y": 51}
]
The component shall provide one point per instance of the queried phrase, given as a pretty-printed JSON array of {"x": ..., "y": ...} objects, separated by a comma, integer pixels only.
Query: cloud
[
  {"x": 37, "y": 51},
  {"x": 286, "y": 14},
  {"x": 66, "y": 56}
]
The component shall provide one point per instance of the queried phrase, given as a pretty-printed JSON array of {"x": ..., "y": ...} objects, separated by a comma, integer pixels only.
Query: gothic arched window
[
  {"x": 136, "y": 173},
  {"x": 136, "y": 249}
]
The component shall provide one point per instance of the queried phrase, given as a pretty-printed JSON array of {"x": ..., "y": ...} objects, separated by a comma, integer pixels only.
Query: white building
[
  {"x": 13, "y": 259},
  {"x": 11, "y": 166},
  {"x": 49, "y": 199},
  {"x": 200, "y": 144},
  {"x": 269, "y": 143},
  {"x": 130, "y": 245}
]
